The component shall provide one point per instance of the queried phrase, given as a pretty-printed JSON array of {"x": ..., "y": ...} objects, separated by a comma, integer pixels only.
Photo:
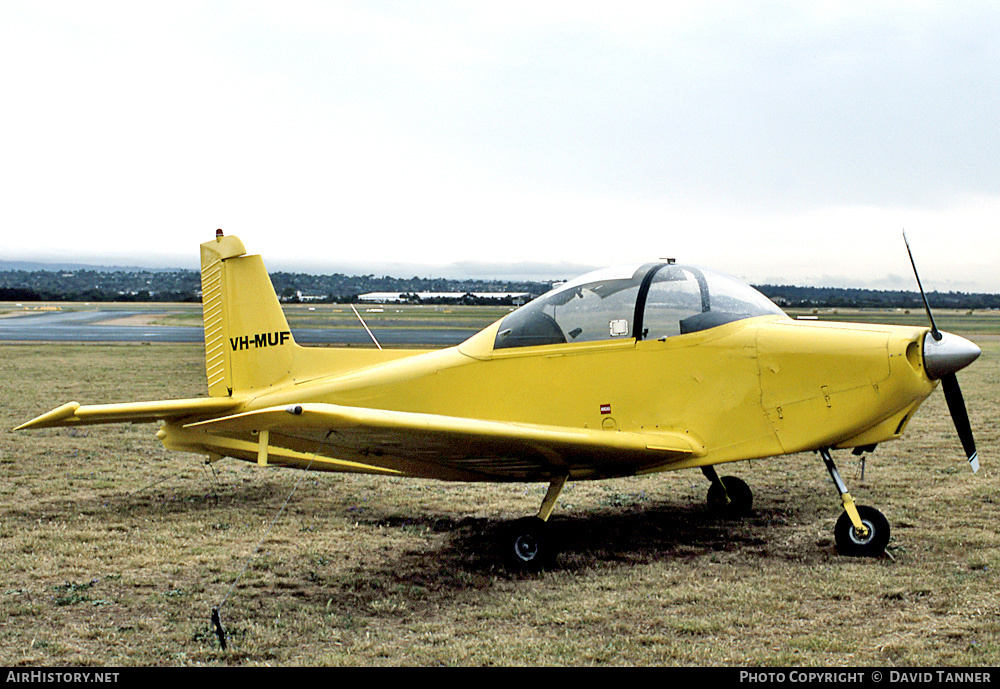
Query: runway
[{"x": 106, "y": 326}]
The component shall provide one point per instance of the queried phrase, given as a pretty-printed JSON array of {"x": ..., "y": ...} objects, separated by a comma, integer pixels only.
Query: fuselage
[
  {"x": 752, "y": 388},
  {"x": 690, "y": 366}
]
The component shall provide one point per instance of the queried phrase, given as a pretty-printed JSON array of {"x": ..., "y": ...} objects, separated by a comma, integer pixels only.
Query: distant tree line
[
  {"x": 805, "y": 297},
  {"x": 185, "y": 285}
]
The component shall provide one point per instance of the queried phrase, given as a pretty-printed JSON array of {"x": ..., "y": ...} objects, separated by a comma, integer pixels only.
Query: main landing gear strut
[
  {"x": 728, "y": 496},
  {"x": 861, "y": 531},
  {"x": 527, "y": 545}
]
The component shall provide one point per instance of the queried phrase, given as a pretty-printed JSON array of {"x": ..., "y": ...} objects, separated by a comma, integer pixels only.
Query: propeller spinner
[{"x": 944, "y": 355}]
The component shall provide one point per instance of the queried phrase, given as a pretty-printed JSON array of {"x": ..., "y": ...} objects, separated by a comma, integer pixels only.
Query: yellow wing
[{"x": 435, "y": 446}]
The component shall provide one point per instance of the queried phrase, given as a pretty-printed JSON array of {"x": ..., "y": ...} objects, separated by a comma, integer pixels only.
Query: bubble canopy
[{"x": 648, "y": 301}]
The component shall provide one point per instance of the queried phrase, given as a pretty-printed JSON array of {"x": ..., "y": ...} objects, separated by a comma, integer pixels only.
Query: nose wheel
[{"x": 854, "y": 543}]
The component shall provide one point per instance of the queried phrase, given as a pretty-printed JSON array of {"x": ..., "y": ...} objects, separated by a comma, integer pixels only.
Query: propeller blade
[
  {"x": 956, "y": 353},
  {"x": 956, "y": 405},
  {"x": 935, "y": 333}
]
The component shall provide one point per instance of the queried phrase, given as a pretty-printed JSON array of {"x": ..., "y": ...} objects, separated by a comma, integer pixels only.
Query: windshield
[
  {"x": 685, "y": 299},
  {"x": 650, "y": 301}
]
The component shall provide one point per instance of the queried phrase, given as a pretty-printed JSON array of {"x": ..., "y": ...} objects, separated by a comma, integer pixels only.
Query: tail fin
[
  {"x": 248, "y": 346},
  {"x": 248, "y": 343}
]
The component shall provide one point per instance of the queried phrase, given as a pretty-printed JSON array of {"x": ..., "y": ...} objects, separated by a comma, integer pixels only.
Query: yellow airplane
[{"x": 624, "y": 371}]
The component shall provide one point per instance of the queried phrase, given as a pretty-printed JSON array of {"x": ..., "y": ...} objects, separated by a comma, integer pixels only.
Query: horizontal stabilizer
[{"x": 73, "y": 414}]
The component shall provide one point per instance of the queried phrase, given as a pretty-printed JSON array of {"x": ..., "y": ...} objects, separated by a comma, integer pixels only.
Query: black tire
[
  {"x": 872, "y": 545},
  {"x": 740, "y": 501},
  {"x": 528, "y": 546}
]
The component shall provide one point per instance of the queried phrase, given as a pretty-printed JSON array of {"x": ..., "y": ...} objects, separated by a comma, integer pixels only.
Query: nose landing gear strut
[{"x": 861, "y": 531}]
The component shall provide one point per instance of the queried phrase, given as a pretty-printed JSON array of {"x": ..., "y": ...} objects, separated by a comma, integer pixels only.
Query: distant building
[{"x": 383, "y": 297}]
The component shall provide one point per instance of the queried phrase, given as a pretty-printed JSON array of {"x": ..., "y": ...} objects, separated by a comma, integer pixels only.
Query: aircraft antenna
[
  {"x": 366, "y": 327},
  {"x": 217, "y": 610}
]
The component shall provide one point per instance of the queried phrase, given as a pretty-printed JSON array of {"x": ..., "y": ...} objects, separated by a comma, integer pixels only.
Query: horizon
[{"x": 110, "y": 267}]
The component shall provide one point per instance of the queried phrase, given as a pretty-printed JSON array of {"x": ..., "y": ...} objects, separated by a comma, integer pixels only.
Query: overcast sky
[{"x": 787, "y": 142}]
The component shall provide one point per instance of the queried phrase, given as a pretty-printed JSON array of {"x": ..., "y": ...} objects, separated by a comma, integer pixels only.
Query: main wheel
[
  {"x": 528, "y": 546},
  {"x": 740, "y": 497},
  {"x": 850, "y": 543}
]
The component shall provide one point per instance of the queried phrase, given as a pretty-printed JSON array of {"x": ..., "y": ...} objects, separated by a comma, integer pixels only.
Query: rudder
[{"x": 248, "y": 344}]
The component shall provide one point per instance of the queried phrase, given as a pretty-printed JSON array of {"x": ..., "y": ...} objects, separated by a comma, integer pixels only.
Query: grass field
[{"x": 114, "y": 550}]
